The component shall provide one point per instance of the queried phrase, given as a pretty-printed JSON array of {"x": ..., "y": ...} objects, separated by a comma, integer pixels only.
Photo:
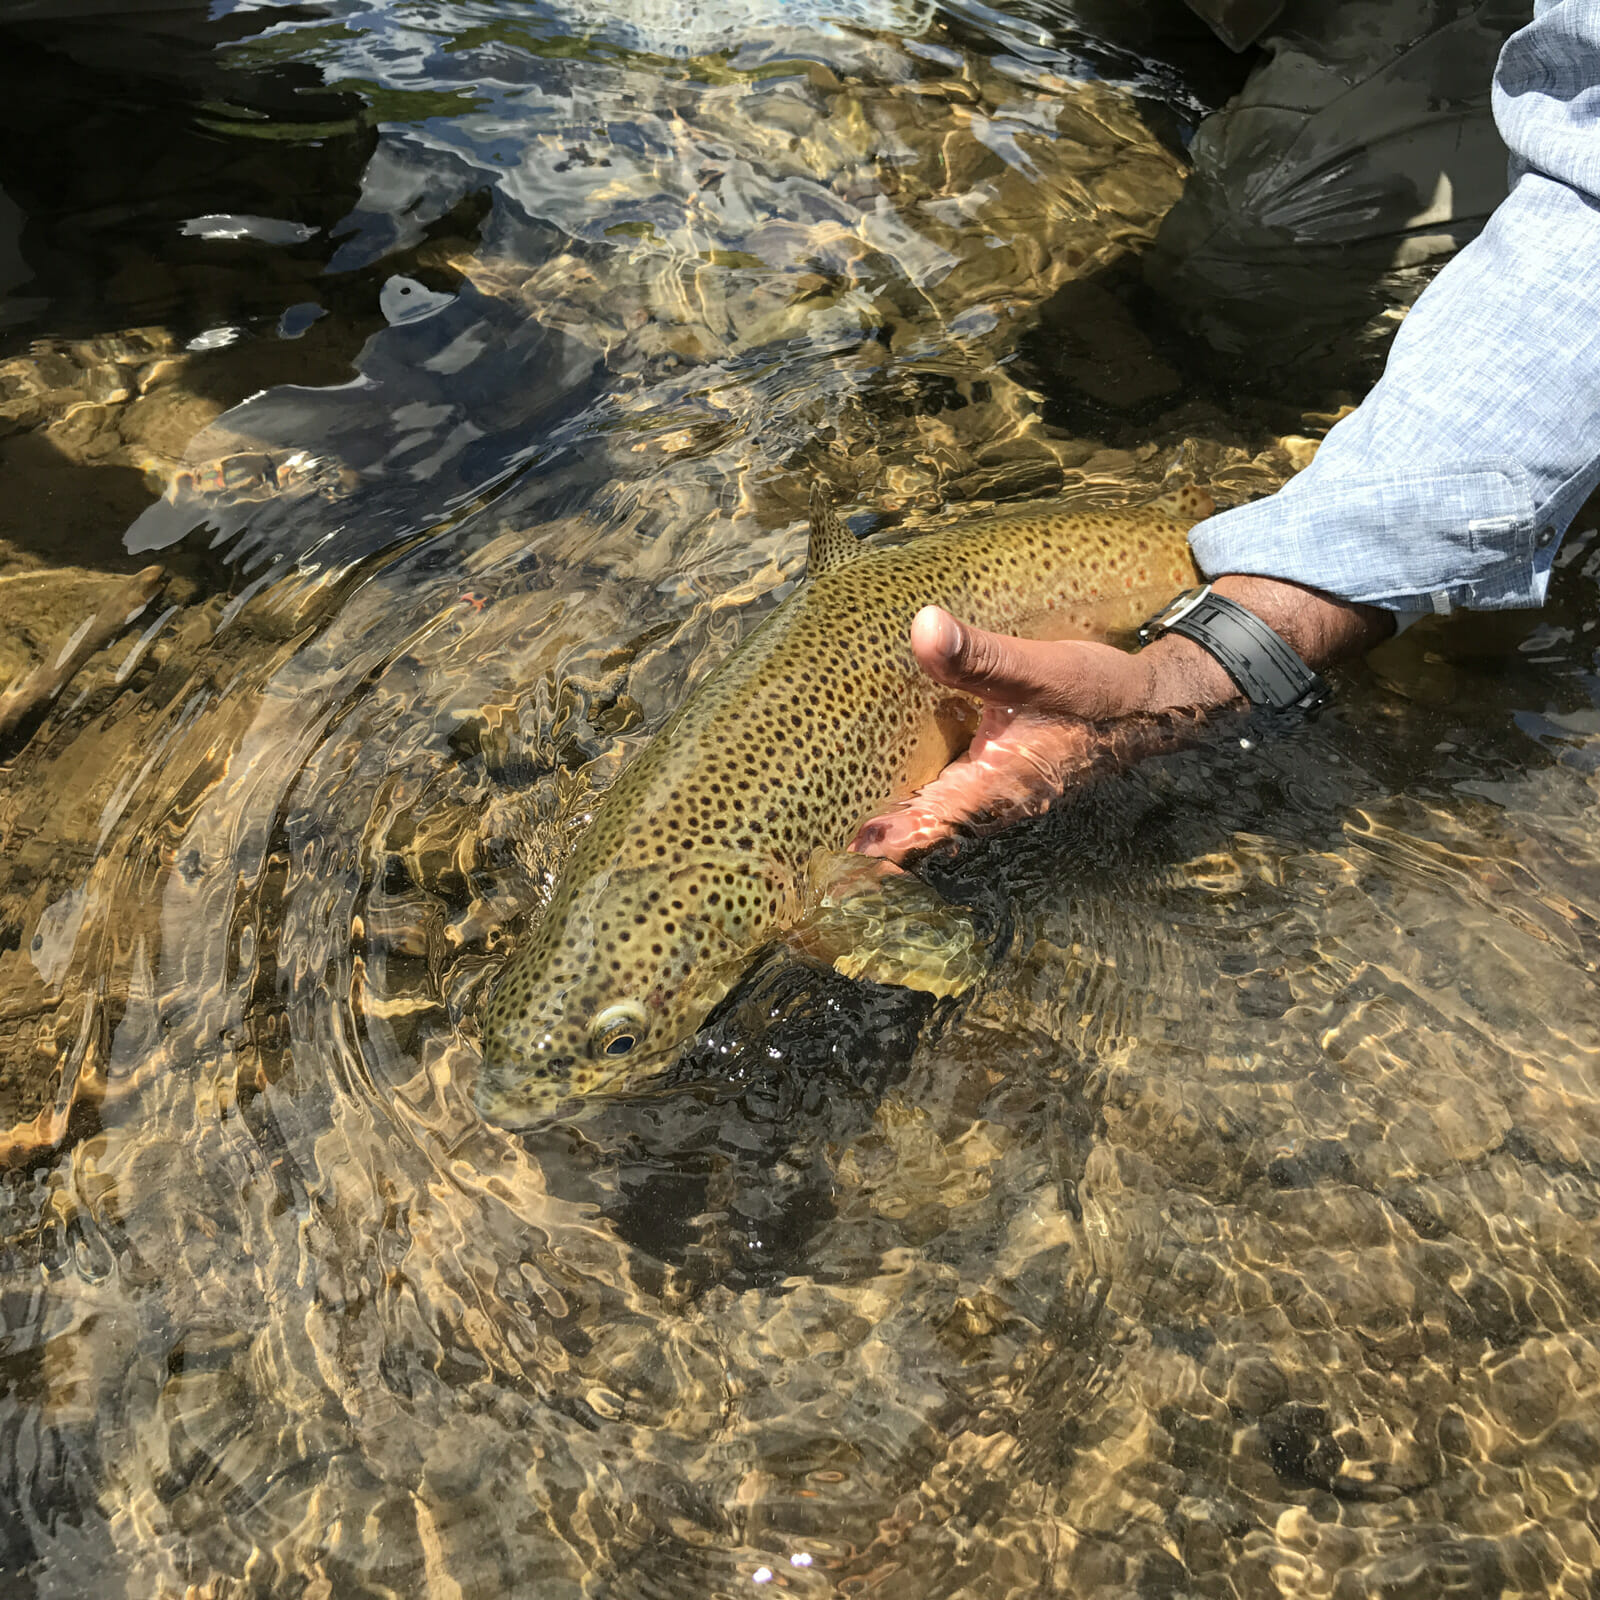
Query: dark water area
[{"x": 402, "y": 407}]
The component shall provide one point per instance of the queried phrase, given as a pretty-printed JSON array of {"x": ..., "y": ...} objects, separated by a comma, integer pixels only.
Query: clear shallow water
[{"x": 1236, "y": 1238}]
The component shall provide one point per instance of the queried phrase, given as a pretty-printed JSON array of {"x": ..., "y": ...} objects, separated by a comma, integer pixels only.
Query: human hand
[{"x": 1056, "y": 713}]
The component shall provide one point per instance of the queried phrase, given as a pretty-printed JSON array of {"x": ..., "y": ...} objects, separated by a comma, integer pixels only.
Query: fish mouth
[{"x": 518, "y": 1093}]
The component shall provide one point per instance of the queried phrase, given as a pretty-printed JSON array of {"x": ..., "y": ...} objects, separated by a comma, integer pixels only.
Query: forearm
[{"x": 1175, "y": 673}]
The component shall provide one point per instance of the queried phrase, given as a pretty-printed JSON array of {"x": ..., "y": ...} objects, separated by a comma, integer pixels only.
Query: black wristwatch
[{"x": 1260, "y": 661}]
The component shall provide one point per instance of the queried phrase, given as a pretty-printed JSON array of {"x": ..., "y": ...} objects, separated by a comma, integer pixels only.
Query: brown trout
[{"x": 698, "y": 854}]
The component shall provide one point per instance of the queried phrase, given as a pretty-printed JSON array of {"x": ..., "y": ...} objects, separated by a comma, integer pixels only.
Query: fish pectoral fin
[
  {"x": 832, "y": 543},
  {"x": 947, "y": 734},
  {"x": 868, "y": 919}
]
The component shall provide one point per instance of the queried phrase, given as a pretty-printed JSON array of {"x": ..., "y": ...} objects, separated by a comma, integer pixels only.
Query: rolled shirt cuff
[{"x": 1410, "y": 542}]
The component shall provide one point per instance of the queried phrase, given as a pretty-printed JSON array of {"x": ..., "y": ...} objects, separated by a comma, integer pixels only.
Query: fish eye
[{"x": 618, "y": 1029}]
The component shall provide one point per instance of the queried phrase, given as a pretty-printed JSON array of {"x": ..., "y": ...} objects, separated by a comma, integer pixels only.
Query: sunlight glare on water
[{"x": 1237, "y": 1237}]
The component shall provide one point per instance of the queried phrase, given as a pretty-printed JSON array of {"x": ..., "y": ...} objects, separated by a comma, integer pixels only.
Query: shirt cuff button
[{"x": 1544, "y": 536}]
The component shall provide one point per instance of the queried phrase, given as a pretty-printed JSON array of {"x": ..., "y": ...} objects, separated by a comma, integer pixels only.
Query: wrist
[
  {"x": 1179, "y": 675},
  {"x": 1184, "y": 673}
]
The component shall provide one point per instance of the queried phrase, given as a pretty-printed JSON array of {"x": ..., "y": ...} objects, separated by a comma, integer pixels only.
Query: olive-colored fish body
[{"x": 697, "y": 854}]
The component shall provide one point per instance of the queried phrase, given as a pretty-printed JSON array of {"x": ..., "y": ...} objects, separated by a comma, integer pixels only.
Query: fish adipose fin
[
  {"x": 870, "y": 920},
  {"x": 832, "y": 543}
]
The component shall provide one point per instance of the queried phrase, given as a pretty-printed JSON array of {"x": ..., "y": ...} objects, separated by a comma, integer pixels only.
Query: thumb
[{"x": 1074, "y": 678}]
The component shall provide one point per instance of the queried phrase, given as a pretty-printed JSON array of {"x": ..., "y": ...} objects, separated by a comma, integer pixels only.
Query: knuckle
[{"x": 982, "y": 655}]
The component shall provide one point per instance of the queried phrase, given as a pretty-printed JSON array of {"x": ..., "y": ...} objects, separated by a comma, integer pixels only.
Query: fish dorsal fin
[
  {"x": 1188, "y": 504},
  {"x": 832, "y": 543}
]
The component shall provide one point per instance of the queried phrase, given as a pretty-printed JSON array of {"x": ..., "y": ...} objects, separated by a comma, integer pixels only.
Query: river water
[{"x": 463, "y": 369}]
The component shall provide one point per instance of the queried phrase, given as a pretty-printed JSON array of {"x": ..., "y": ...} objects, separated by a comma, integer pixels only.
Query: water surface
[{"x": 465, "y": 367}]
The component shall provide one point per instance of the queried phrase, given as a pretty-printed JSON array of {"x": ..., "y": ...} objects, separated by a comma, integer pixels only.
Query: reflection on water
[{"x": 1236, "y": 1238}]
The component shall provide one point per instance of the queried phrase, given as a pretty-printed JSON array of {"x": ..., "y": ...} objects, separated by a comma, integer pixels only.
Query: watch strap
[{"x": 1261, "y": 662}]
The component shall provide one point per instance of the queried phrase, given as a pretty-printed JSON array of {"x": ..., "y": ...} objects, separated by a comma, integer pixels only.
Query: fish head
[{"x": 617, "y": 977}]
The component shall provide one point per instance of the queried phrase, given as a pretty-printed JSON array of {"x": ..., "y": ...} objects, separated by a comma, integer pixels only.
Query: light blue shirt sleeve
[{"x": 1454, "y": 480}]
